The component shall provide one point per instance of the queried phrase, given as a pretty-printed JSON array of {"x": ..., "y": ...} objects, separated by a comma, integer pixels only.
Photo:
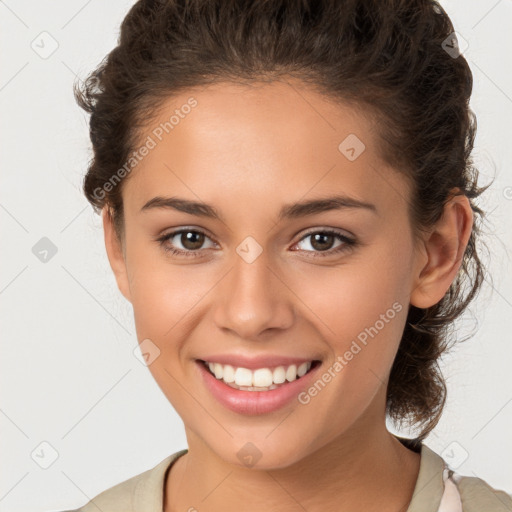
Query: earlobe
[
  {"x": 115, "y": 254},
  {"x": 445, "y": 248}
]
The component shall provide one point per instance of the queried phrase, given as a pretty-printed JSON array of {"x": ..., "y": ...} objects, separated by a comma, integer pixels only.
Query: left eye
[
  {"x": 192, "y": 240},
  {"x": 321, "y": 239}
]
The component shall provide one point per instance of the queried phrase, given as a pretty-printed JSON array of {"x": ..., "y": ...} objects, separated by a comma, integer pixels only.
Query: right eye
[{"x": 191, "y": 243}]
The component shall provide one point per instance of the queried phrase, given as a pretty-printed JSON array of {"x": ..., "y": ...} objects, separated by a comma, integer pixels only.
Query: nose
[{"x": 253, "y": 299}]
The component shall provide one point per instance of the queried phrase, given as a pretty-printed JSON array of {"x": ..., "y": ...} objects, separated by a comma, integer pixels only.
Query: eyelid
[
  {"x": 347, "y": 242},
  {"x": 337, "y": 231},
  {"x": 180, "y": 229},
  {"x": 165, "y": 237}
]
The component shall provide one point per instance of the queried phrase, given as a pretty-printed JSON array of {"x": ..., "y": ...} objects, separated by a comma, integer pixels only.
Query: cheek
[
  {"x": 167, "y": 304},
  {"x": 164, "y": 297},
  {"x": 361, "y": 307},
  {"x": 360, "y": 312}
]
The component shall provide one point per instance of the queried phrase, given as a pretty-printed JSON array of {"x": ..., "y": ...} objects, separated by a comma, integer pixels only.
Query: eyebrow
[{"x": 288, "y": 211}]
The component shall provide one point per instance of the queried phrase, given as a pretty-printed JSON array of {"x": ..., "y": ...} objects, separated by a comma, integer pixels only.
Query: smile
[
  {"x": 256, "y": 399},
  {"x": 261, "y": 379}
]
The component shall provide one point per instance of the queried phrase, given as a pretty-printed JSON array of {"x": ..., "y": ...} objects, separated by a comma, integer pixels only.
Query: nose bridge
[{"x": 254, "y": 298}]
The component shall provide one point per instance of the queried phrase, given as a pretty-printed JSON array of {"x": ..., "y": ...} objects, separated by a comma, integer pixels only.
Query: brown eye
[
  {"x": 192, "y": 240},
  {"x": 323, "y": 242}
]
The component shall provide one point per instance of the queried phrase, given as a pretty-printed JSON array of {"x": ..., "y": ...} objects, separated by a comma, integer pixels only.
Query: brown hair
[{"x": 388, "y": 56}]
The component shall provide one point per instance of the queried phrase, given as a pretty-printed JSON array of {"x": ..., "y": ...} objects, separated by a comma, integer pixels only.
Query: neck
[{"x": 357, "y": 470}]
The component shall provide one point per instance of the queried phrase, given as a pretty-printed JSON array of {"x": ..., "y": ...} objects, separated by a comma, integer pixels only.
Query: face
[{"x": 329, "y": 283}]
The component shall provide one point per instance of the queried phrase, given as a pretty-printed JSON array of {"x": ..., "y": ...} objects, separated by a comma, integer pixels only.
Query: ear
[
  {"x": 115, "y": 254},
  {"x": 444, "y": 251}
]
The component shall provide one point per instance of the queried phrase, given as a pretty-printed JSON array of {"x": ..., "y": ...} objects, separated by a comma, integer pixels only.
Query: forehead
[{"x": 260, "y": 140}]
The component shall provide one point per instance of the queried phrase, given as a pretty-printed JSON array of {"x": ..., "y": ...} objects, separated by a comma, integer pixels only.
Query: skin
[{"x": 248, "y": 151}]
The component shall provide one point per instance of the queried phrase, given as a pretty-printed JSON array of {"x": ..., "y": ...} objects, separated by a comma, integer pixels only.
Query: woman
[{"x": 287, "y": 196}]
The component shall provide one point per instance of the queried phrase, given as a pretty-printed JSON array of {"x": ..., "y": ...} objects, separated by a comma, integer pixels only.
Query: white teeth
[
  {"x": 279, "y": 375},
  {"x": 218, "y": 370},
  {"x": 260, "y": 378},
  {"x": 302, "y": 369},
  {"x": 291, "y": 373},
  {"x": 243, "y": 377},
  {"x": 252, "y": 388},
  {"x": 228, "y": 373}
]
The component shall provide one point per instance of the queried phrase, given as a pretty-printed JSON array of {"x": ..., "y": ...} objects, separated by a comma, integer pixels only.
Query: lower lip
[{"x": 255, "y": 402}]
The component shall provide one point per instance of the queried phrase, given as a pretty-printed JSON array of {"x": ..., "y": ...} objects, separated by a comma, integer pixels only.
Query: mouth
[
  {"x": 262, "y": 379},
  {"x": 256, "y": 400}
]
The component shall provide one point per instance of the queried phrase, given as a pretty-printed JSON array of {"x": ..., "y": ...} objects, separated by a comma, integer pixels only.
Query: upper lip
[{"x": 255, "y": 362}]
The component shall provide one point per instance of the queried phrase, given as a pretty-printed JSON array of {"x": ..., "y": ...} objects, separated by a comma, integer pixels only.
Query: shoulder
[
  {"x": 439, "y": 488},
  {"x": 144, "y": 489},
  {"x": 477, "y": 495}
]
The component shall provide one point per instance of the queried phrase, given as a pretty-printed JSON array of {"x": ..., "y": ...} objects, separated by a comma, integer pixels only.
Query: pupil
[
  {"x": 322, "y": 236},
  {"x": 187, "y": 239}
]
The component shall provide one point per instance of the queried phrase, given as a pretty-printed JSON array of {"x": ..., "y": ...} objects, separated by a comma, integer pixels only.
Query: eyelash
[{"x": 349, "y": 243}]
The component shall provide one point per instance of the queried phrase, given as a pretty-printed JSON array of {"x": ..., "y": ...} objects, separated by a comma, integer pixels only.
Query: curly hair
[{"x": 387, "y": 56}]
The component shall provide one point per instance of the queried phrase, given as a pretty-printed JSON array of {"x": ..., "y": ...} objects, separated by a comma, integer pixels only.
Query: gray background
[{"x": 71, "y": 387}]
